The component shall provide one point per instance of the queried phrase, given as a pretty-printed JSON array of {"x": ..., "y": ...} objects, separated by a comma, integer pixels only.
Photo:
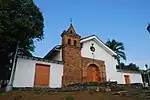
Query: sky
[{"x": 122, "y": 20}]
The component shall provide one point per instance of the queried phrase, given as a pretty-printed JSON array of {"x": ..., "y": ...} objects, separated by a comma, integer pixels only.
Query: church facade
[{"x": 76, "y": 60}]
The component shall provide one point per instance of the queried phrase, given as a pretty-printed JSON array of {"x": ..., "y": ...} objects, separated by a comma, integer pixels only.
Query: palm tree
[{"x": 118, "y": 48}]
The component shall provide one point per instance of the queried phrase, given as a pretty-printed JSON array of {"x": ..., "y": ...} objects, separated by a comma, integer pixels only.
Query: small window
[
  {"x": 75, "y": 43},
  {"x": 69, "y": 41}
]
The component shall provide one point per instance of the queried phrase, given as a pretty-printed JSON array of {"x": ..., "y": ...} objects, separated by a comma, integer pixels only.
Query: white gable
[
  {"x": 100, "y": 53},
  {"x": 99, "y": 42}
]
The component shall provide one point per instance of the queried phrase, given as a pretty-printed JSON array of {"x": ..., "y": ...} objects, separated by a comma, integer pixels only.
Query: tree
[
  {"x": 20, "y": 22},
  {"x": 130, "y": 66},
  {"x": 118, "y": 48}
]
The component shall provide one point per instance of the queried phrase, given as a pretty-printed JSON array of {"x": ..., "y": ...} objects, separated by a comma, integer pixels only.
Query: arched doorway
[{"x": 93, "y": 73}]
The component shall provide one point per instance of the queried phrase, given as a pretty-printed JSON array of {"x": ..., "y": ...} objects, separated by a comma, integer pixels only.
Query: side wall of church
[{"x": 25, "y": 73}]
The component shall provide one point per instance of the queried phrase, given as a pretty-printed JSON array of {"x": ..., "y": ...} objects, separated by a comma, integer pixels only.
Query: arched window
[
  {"x": 69, "y": 41},
  {"x": 75, "y": 43}
]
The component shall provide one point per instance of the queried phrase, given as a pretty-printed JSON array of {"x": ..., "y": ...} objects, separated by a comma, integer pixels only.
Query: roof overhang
[
  {"x": 40, "y": 59},
  {"x": 128, "y": 71},
  {"x": 55, "y": 49}
]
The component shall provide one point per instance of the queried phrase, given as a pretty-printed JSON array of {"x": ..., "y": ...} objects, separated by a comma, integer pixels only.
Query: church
[{"x": 77, "y": 59}]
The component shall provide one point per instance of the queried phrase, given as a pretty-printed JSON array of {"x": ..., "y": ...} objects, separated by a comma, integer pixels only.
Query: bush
[{"x": 69, "y": 97}]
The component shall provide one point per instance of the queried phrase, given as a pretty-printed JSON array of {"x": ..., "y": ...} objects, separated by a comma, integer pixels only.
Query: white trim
[{"x": 100, "y": 43}]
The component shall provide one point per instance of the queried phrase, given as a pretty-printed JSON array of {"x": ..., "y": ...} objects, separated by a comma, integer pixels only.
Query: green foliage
[
  {"x": 130, "y": 66},
  {"x": 3, "y": 94},
  {"x": 69, "y": 97},
  {"x": 118, "y": 48},
  {"x": 37, "y": 92},
  {"x": 20, "y": 21}
]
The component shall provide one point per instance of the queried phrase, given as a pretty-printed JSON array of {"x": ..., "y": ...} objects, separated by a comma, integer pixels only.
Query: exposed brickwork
[
  {"x": 72, "y": 65},
  {"x": 75, "y": 66},
  {"x": 100, "y": 64},
  {"x": 71, "y": 55}
]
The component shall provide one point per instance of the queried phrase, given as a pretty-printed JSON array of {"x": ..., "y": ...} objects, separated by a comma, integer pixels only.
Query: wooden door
[
  {"x": 42, "y": 74},
  {"x": 95, "y": 74},
  {"x": 127, "y": 79},
  {"x": 92, "y": 74}
]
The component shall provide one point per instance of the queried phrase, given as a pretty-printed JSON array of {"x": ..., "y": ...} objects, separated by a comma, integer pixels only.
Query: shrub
[{"x": 69, "y": 97}]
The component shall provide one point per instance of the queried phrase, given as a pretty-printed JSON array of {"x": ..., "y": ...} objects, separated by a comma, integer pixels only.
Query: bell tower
[{"x": 71, "y": 55}]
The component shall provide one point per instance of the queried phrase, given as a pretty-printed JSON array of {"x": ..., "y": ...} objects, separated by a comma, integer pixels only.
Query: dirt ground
[{"x": 64, "y": 96}]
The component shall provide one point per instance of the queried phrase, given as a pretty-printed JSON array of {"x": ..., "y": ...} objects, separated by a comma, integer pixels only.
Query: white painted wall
[
  {"x": 56, "y": 73},
  {"x": 110, "y": 63},
  {"x": 25, "y": 72},
  {"x": 134, "y": 77},
  {"x": 101, "y": 54}
]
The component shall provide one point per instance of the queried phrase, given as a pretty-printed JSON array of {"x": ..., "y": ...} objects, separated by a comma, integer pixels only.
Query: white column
[{"x": 10, "y": 84}]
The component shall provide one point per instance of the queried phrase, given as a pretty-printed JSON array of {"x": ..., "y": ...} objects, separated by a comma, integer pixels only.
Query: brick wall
[
  {"x": 72, "y": 65},
  {"x": 86, "y": 62},
  {"x": 75, "y": 66},
  {"x": 71, "y": 55}
]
